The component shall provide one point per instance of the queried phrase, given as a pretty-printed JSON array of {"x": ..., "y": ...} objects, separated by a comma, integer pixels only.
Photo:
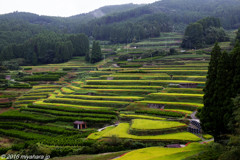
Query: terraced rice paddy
[
  {"x": 159, "y": 153},
  {"x": 147, "y": 100},
  {"x": 121, "y": 131},
  {"x": 141, "y": 124}
]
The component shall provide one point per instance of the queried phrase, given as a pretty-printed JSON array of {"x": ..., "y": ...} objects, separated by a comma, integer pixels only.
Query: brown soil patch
[
  {"x": 17, "y": 90},
  {"x": 5, "y": 142},
  {"x": 4, "y": 100},
  {"x": 3, "y": 110}
]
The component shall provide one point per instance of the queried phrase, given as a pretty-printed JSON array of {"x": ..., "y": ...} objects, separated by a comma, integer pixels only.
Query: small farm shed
[
  {"x": 188, "y": 85},
  {"x": 8, "y": 77},
  {"x": 80, "y": 124},
  {"x": 173, "y": 146}
]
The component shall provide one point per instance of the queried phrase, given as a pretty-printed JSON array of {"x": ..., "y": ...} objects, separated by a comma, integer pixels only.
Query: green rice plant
[
  {"x": 71, "y": 114},
  {"x": 160, "y": 153},
  {"x": 183, "y": 90},
  {"x": 180, "y": 110},
  {"x": 176, "y": 97},
  {"x": 16, "y": 115},
  {"x": 67, "y": 90},
  {"x": 22, "y": 134},
  {"x": 41, "y": 128},
  {"x": 131, "y": 116},
  {"x": 24, "y": 101},
  {"x": 138, "y": 82},
  {"x": 122, "y": 87},
  {"x": 118, "y": 98},
  {"x": 41, "y": 90},
  {"x": 5, "y": 105},
  {"x": 126, "y": 92},
  {"x": 46, "y": 86},
  {"x": 121, "y": 131},
  {"x": 160, "y": 113},
  {"x": 32, "y": 97},
  {"x": 87, "y": 102},
  {"x": 73, "y": 109},
  {"x": 144, "y": 124},
  {"x": 69, "y": 105},
  {"x": 177, "y": 104}
]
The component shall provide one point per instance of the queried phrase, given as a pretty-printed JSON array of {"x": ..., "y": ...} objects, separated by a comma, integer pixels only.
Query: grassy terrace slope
[
  {"x": 122, "y": 132},
  {"x": 159, "y": 153},
  {"x": 141, "y": 124},
  {"x": 150, "y": 99},
  {"x": 138, "y": 82}
]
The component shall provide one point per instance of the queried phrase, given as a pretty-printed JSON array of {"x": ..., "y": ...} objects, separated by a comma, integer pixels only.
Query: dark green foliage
[
  {"x": 47, "y": 47},
  {"x": 48, "y": 76},
  {"x": 72, "y": 114},
  {"x": 209, "y": 110},
  {"x": 205, "y": 31},
  {"x": 238, "y": 35},
  {"x": 80, "y": 44},
  {"x": 193, "y": 37},
  {"x": 221, "y": 86},
  {"x": 236, "y": 115},
  {"x": 236, "y": 69},
  {"x": 74, "y": 110},
  {"x": 3, "y": 150},
  {"x": 5, "y": 105},
  {"x": 96, "y": 55}
]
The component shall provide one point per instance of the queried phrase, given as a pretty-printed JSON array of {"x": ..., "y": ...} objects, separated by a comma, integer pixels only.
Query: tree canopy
[{"x": 206, "y": 31}]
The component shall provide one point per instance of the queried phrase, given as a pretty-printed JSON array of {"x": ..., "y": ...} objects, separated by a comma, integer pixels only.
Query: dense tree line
[
  {"x": 206, "y": 31},
  {"x": 223, "y": 84},
  {"x": 47, "y": 47}
]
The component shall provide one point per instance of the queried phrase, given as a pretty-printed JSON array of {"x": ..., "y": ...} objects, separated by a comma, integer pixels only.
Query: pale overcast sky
[{"x": 63, "y": 8}]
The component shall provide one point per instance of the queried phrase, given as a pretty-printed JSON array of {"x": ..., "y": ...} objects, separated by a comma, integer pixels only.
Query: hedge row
[
  {"x": 49, "y": 76},
  {"x": 44, "y": 128},
  {"x": 74, "y": 140},
  {"x": 74, "y": 110},
  {"x": 160, "y": 113},
  {"x": 122, "y": 87},
  {"x": 5, "y": 105},
  {"x": 117, "y": 98},
  {"x": 138, "y": 82},
  {"x": 32, "y": 97},
  {"x": 20, "y": 86},
  {"x": 15, "y": 115},
  {"x": 70, "y": 114},
  {"x": 87, "y": 102},
  {"x": 22, "y": 134}
]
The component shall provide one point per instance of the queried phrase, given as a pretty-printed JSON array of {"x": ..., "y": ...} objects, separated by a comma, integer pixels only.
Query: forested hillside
[
  {"x": 122, "y": 23},
  {"x": 117, "y": 24}
]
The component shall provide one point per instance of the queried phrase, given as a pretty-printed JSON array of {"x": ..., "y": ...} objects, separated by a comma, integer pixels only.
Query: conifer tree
[
  {"x": 96, "y": 55},
  {"x": 236, "y": 69},
  {"x": 207, "y": 114}
]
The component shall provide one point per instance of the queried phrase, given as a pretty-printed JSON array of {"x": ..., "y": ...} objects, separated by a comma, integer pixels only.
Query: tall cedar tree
[
  {"x": 223, "y": 83},
  {"x": 208, "y": 112},
  {"x": 96, "y": 55},
  {"x": 236, "y": 68},
  {"x": 223, "y": 93}
]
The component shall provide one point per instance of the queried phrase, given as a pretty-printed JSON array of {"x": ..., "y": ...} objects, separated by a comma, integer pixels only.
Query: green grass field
[
  {"x": 159, "y": 153},
  {"x": 121, "y": 131},
  {"x": 144, "y": 124}
]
